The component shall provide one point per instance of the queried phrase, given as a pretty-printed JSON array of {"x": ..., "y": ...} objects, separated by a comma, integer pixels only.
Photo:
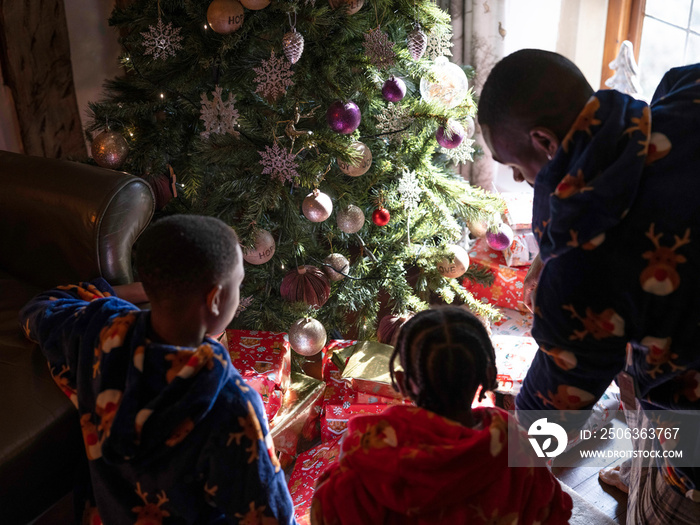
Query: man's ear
[
  {"x": 214, "y": 299},
  {"x": 544, "y": 140}
]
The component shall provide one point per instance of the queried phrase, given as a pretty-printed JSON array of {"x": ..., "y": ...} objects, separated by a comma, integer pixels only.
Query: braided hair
[{"x": 446, "y": 352}]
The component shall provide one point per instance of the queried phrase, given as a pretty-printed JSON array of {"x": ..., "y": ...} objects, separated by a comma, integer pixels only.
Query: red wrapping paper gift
[
  {"x": 270, "y": 394},
  {"x": 297, "y": 426},
  {"x": 334, "y": 421},
  {"x": 307, "y": 470},
  {"x": 507, "y": 288},
  {"x": 335, "y": 356},
  {"x": 255, "y": 352}
]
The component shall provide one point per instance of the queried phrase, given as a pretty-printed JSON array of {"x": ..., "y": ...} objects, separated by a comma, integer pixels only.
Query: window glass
[
  {"x": 662, "y": 48},
  {"x": 695, "y": 17},
  {"x": 672, "y": 11}
]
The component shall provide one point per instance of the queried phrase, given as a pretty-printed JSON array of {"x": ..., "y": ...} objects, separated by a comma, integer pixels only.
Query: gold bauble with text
[{"x": 225, "y": 16}]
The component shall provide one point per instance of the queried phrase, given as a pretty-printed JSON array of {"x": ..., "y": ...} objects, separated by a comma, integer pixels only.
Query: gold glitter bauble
[
  {"x": 109, "y": 149},
  {"x": 350, "y": 219},
  {"x": 317, "y": 206},
  {"x": 336, "y": 261},
  {"x": 307, "y": 336}
]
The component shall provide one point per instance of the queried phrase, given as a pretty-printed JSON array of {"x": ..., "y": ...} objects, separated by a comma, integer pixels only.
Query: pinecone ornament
[
  {"x": 293, "y": 45},
  {"x": 416, "y": 41}
]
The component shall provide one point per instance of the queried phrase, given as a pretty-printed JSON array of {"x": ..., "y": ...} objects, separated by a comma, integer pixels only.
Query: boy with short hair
[{"x": 170, "y": 428}]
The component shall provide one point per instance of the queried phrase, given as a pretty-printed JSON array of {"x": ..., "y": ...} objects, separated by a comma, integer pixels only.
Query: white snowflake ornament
[
  {"x": 410, "y": 189},
  {"x": 439, "y": 43},
  {"x": 378, "y": 48},
  {"x": 219, "y": 117},
  {"x": 162, "y": 40},
  {"x": 273, "y": 77},
  {"x": 278, "y": 163},
  {"x": 393, "y": 122},
  {"x": 462, "y": 153}
]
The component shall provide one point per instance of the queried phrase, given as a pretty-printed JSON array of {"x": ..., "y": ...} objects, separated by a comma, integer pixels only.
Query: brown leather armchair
[{"x": 60, "y": 222}]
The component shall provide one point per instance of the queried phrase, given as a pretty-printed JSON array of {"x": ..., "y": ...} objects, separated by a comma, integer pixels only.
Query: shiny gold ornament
[
  {"x": 350, "y": 219},
  {"x": 225, "y": 16},
  {"x": 317, "y": 206},
  {"x": 307, "y": 336},
  {"x": 255, "y": 5},
  {"x": 109, "y": 149},
  {"x": 336, "y": 261}
]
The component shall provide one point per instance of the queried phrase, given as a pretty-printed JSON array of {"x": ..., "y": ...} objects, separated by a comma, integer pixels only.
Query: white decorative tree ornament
[
  {"x": 278, "y": 163},
  {"x": 625, "y": 79},
  {"x": 219, "y": 117},
  {"x": 410, "y": 189},
  {"x": 438, "y": 43},
  {"x": 273, "y": 77},
  {"x": 393, "y": 122},
  {"x": 462, "y": 153},
  {"x": 162, "y": 40}
]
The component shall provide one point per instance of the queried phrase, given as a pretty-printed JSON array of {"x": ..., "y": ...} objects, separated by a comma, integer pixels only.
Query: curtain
[{"x": 478, "y": 37}]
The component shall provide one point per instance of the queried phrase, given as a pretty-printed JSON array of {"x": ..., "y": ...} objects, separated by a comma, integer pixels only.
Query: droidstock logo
[{"x": 542, "y": 427}]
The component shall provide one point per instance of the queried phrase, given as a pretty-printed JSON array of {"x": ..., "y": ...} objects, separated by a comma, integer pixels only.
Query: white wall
[{"x": 574, "y": 28}]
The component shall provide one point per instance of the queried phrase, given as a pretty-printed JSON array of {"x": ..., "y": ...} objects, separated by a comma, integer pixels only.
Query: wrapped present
[
  {"x": 335, "y": 356},
  {"x": 334, "y": 421},
  {"x": 513, "y": 322},
  {"x": 297, "y": 424},
  {"x": 368, "y": 369},
  {"x": 363, "y": 398},
  {"x": 256, "y": 352},
  {"x": 270, "y": 394},
  {"x": 513, "y": 358},
  {"x": 518, "y": 212},
  {"x": 522, "y": 251},
  {"x": 307, "y": 469},
  {"x": 507, "y": 288}
]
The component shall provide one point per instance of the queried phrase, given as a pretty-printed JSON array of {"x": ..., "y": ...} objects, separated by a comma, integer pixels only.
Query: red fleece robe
[{"x": 411, "y": 466}]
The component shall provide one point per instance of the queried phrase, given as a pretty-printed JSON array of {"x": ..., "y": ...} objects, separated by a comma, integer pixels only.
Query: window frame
[{"x": 624, "y": 22}]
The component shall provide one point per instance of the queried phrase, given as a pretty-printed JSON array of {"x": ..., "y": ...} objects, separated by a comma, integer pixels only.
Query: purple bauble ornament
[
  {"x": 501, "y": 239},
  {"x": 394, "y": 89},
  {"x": 343, "y": 117},
  {"x": 456, "y": 137}
]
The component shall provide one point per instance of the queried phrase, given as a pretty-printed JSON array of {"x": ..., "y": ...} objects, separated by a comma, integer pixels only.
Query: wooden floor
[{"x": 583, "y": 478}]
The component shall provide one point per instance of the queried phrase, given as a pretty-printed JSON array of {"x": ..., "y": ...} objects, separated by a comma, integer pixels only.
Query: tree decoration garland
[
  {"x": 306, "y": 284},
  {"x": 273, "y": 77},
  {"x": 378, "y": 48},
  {"x": 279, "y": 163},
  {"x": 219, "y": 117}
]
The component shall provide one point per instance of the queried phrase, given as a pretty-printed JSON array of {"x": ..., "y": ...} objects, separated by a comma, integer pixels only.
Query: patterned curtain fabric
[{"x": 478, "y": 37}]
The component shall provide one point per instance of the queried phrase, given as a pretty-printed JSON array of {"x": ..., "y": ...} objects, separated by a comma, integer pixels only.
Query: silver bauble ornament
[
  {"x": 263, "y": 250},
  {"x": 317, "y": 206},
  {"x": 456, "y": 267},
  {"x": 360, "y": 166},
  {"x": 336, "y": 261},
  {"x": 307, "y": 336},
  {"x": 293, "y": 45},
  {"x": 417, "y": 42},
  {"x": 109, "y": 149},
  {"x": 350, "y": 219}
]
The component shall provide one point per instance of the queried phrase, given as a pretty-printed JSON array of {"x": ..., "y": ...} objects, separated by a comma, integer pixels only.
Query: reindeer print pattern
[
  {"x": 585, "y": 121},
  {"x": 139, "y": 399},
  {"x": 607, "y": 323},
  {"x": 660, "y": 277}
]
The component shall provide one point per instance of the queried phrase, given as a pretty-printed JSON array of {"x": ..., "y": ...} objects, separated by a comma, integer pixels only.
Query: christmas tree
[{"x": 325, "y": 134}]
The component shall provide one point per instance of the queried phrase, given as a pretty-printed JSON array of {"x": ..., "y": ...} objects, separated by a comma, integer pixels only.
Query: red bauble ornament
[
  {"x": 389, "y": 327},
  {"x": 307, "y": 284},
  {"x": 381, "y": 216}
]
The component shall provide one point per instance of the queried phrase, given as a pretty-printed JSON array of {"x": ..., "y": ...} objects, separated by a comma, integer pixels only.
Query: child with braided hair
[{"x": 441, "y": 461}]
